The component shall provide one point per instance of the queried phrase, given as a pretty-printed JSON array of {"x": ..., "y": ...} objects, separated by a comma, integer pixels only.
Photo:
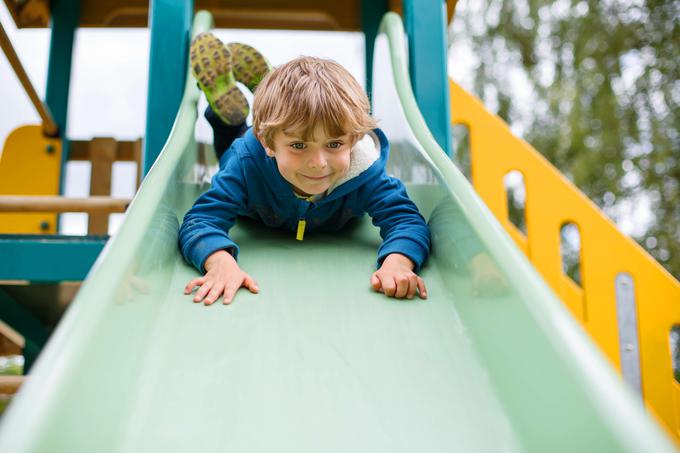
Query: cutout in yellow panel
[
  {"x": 30, "y": 164},
  {"x": 516, "y": 195},
  {"x": 570, "y": 250}
]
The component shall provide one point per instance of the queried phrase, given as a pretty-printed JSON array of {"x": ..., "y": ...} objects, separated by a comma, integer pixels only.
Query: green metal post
[
  {"x": 34, "y": 333},
  {"x": 50, "y": 258},
  {"x": 371, "y": 14},
  {"x": 65, "y": 16},
  {"x": 425, "y": 24},
  {"x": 170, "y": 24}
]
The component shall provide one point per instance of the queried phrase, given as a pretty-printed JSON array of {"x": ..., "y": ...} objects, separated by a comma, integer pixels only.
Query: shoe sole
[
  {"x": 248, "y": 65},
  {"x": 212, "y": 67}
]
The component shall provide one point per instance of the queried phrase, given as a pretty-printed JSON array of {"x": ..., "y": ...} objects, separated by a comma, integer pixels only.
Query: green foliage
[
  {"x": 11, "y": 365},
  {"x": 595, "y": 86},
  {"x": 4, "y": 402}
]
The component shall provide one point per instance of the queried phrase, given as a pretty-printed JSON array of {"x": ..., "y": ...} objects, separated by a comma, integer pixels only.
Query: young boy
[{"x": 312, "y": 161}]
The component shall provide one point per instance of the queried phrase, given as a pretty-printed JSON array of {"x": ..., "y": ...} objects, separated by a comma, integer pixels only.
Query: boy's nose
[{"x": 317, "y": 160}]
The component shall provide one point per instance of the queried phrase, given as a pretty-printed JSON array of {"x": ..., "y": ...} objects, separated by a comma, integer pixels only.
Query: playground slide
[{"x": 317, "y": 361}]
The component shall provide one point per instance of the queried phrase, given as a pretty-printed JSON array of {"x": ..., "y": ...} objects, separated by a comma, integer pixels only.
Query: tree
[{"x": 595, "y": 86}]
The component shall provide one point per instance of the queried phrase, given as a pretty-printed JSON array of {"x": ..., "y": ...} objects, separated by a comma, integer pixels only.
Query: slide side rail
[{"x": 628, "y": 303}]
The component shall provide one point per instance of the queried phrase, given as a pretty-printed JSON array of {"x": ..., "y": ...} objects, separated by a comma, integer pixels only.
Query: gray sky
[
  {"x": 109, "y": 78},
  {"x": 109, "y": 86}
]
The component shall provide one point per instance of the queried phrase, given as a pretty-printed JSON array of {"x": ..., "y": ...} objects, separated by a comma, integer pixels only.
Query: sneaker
[
  {"x": 211, "y": 65},
  {"x": 249, "y": 65}
]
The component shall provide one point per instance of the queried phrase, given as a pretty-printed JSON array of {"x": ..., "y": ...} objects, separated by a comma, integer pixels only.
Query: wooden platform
[{"x": 341, "y": 15}]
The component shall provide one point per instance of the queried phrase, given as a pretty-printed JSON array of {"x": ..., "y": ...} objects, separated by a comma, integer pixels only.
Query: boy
[{"x": 312, "y": 161}]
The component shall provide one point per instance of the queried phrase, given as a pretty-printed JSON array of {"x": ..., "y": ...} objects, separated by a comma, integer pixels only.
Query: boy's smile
[{"x": 311, "y": 166}]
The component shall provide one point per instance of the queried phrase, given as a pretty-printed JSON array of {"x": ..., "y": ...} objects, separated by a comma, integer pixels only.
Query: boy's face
[{"x": 311, "y": 167}]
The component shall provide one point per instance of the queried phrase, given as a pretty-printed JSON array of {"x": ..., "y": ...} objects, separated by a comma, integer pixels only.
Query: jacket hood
[{"x": 282, "y": 189}]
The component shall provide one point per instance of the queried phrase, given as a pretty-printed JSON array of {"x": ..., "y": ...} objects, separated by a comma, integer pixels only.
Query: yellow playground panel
[
  {"x": 30, "y": 164},
  {"x": 615, "y": 270}
]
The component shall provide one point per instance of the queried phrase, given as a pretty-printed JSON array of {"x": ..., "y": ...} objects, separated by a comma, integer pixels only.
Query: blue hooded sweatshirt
[{"x": 250, "y": 184}]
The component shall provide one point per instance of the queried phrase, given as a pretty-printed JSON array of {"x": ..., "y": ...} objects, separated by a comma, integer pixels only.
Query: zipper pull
[{"x": 301, "y": 229}]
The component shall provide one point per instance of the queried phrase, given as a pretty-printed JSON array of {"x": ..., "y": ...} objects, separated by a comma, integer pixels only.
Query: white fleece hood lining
[{"x": 364, "y": 152}]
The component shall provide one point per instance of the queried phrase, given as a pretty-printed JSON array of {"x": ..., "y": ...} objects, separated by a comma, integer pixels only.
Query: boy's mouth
[{"x": 316, "y": 178}]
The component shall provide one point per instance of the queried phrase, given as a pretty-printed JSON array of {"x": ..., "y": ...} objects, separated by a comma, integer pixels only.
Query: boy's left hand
[{"x": 396, "y": 278}]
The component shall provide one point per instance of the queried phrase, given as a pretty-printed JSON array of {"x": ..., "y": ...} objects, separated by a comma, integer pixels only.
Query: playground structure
[{"x": 561, "y": 392}]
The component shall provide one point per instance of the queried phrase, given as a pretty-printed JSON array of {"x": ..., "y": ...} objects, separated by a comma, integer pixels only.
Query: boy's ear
[{"x": 267, "y": 149}]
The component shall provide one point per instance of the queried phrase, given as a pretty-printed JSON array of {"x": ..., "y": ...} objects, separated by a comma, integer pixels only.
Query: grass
[{"x": 12, "y": 365}]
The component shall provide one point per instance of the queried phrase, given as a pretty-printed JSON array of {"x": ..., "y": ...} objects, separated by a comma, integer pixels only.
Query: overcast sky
[{"x": 109, "y": 86}]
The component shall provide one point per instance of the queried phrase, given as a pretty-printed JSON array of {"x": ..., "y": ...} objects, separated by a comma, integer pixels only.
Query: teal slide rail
[{"x": 318, "y": 361}]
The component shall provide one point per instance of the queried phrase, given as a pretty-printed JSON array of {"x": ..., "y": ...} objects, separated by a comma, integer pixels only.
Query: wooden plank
[
  {"x": 302, "y": 14},
  {"x": 292, "y": 14},
  {"x": 48, "y": 124},
  {"x": 9, "y": 385},
  {"x": 102, "y": 155},
  {"x": 36, "y": 203},
  {"x": 136, "y": 157},
  {"x": 11, "y": 341},
  {"x": 125, "y": 151},
  {"x": 29, "y": 13}
]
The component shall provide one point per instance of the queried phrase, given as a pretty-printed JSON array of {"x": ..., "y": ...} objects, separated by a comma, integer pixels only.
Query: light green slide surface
[{"x": 318, "y": 362}]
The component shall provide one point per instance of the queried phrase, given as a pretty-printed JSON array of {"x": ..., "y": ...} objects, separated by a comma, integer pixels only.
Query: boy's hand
[
  {"x": 223, "y": 276},
  {"x": 396, "y": 278}
]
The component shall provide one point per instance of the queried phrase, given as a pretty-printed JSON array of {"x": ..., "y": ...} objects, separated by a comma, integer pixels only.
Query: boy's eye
[
  {"x": 297, "y": 145},
  {"x": 335, "y": 145}
]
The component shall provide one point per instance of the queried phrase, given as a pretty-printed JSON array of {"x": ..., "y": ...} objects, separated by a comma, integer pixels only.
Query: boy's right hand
[{"x": 223, "y": 276}]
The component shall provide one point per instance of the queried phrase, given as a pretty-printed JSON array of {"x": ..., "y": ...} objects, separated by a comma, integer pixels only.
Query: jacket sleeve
[
  {"x": 206, "y": 225},
  {"x": 402, "y": 227}
]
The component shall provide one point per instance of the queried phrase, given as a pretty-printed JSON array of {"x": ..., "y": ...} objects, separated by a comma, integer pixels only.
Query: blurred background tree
[{"x": 593, "y": 85}]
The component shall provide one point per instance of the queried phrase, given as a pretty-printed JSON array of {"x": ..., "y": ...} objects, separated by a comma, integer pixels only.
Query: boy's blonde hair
[{"x": 307, "y": 91}]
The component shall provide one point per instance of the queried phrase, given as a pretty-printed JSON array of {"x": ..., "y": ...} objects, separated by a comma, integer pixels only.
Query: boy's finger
[
  {"x": 375, "y": 281},
  {"x": 229, "y": 293},
  {"x": 402, "y": 287},
  {"x": 421, "y": 288},
  {"x": 200, "y": 294},
  {"x": 412, "y": 287},
  {"x": 214, "y": 294},
  {"x": 251, "y": 285},
  {"x": 389, "y": 286},
  {"x": 193, "y": 283}
]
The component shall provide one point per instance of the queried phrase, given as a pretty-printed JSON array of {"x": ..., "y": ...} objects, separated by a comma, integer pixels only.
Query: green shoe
[
  {"x": 212, "y": 67},
  {"x": 249, "y": 65}
]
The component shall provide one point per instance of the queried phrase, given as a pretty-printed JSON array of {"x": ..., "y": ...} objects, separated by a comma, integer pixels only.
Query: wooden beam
[
  {"x": 451, "y": 10},
  {"x": 36, "y": 203},
  {"x": 29, "y": 13},
  {"x": 137, "y": 157},
  {"x": 11, "y": 341},
  {"x": 9, "y": 385},
  {"x": 103, "y": 154},
  {"x": 49, "y": 126},
  {"x": 125, "y": 150}
]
